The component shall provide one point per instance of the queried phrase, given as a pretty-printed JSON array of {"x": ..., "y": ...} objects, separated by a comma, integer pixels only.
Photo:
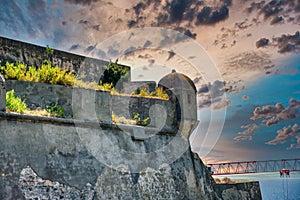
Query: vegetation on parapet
[
  {"x": 113, "y": 74},
  {"x": 135, "y": 120},
  {"x": 49, "y": 50},
  {"x": 144, "y": 92},
  {"x": 48, "y": 73},
  {"x": 16, "y": 104},
  {"x": 55, "y": 110},
  {"x": 45, "y": 74}
]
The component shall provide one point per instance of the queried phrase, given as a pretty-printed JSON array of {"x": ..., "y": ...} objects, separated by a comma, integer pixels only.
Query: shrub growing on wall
[
  {"x": 113, "y": 73},
  {"x": 159, "y": 92},
  {"x": 56, "y": 111},
  {"x": 14, "y": 103},
  {"x": 46, "y": 73}
]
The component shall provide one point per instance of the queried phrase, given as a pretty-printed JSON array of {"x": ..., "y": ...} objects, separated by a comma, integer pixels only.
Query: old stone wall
[
  {"x": 95, "y": 155},
  {"x": 16, "y": 51},
  {"x": 161, "y": 112},
  {"x": 240, "y": 191},
  {"x": 94, "y": 104},
  {"x": 78, "y": 103},
  {"x": 130, "y": 87}
]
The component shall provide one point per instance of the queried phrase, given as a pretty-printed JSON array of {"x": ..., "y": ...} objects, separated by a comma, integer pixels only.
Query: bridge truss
[{"x": 247, "y": 167}]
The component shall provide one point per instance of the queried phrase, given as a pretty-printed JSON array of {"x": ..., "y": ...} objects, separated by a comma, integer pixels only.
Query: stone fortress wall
[
  {"x": 34, "y": 55},
  {"x": 81, "y": 103},
  {"x": 114, "y": 161},
  {"x": 61, "y": 150}
]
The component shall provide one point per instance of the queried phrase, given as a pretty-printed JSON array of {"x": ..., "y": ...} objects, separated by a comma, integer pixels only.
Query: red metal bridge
[{"x": 247, "y": 167}]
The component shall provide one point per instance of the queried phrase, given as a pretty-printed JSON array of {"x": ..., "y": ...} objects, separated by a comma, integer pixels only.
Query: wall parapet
[
  {"x": 97, "y": 105},
  {"x": 82, "y": 123},
  {"x": 34, "y": 55}
]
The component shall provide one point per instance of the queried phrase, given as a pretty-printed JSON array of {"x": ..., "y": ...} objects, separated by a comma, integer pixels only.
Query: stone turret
[{"x": 182, "y": 90}]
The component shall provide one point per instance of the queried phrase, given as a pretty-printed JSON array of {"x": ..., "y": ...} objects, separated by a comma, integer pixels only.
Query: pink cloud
[
  {"x": 297, "y": 145},
  {"x": 273, "y": 120},
  {"x": 242, "y": 137},
  {"x": 273, "y": 114},
  {"x": 285, "y": 134},
  {"x": 250, "y": 128}
]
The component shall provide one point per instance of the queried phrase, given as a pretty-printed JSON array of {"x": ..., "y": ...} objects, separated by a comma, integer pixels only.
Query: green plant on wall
[
  {"x": 46, "y": 73},
  {"x": 121, "y": 119},
  {"x": 14, "y": 103},
  {"x": 12, "y": 71},
  {"x": 56, "y": 111},
  {"x": 137, "y": 119},
  {"x": 134, "y": 121},
  {"x": 113, "y": 73},
  {"x": 144, "y": 122},
  {"x": 49, "y": 50},
  {"x": 159, "y": 92},
  {"x": 54, "y": 75}
]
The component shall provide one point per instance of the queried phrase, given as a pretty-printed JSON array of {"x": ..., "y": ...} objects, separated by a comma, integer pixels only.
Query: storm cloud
[
  {"x": 255, "y": 6},
  {"x": 81, "y": 2},
  {"x": 262, "y": 42},
  {"x": 288, "y": 43},
  {"x": 277, "y": 19},
  {"x": 215, "y": 89},
  {"x": 211, "y": 96},
  {"x": 176, "y": 12},
  {"x": 177, "y": 9},
  {"x": 274, "y": 10},
  {"x": 33, "y": 21},
  {"x": 209, "y": 16}
]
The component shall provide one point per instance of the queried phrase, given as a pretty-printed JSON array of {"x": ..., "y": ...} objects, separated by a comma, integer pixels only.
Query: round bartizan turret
[{"x": 177, "y": 80}]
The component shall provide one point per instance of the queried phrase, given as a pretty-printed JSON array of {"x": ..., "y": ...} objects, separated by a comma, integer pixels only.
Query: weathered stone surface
[
  {"x": 130, "y": 87},
  {"x": 77, "y": 154},
  {"x": 240, "y": 191},
  {"x": 78, "y": 103},
  {"x": 128, "y": 106},
  {"x": 87, "y": 158},
  {"x": 35, "y": 187},
  {"x": 94, "y": 104},
  {"x": 115, "y": 184}
]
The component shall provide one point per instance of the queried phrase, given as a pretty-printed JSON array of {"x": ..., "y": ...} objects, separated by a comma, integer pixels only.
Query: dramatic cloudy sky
[{"x": 251, "y": 46}]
